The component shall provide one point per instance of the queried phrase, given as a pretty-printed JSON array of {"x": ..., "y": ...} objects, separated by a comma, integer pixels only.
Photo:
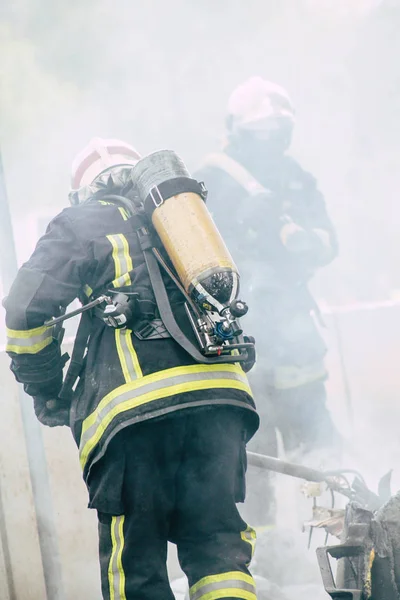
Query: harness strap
[
  {"x": 164, "y": 305},
  {"x": 78, "y": 356},
  {"x": 237, "y": 171}
]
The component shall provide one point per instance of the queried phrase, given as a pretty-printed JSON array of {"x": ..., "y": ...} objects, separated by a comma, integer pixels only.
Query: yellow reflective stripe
[
  {"x": 368, "y": 582},
  {"x": 127, "y": 355},
  {"x": 155, "y": 387},
  {"x": 87, "y": 290},
  {"x": 122, "y": 281},
  {"x": 161, "y": 376},
  {"x": 122, "y": 260},
  {"x": 124, "y": 213},
  {"x": 133, "y": 355},
  {"x": 119, "y": 559},
  {"x": 116, "y": 575},
  {"x": 221, "y": 577},
  {"x": 233, "y": 584},
  {"x": 122, "y": 210},
  {"x": 111, "y": 573},
  {"x": 236, "y": 353},
  {"x": 28, "y": 341},
  {"x": 228, "y": 593},
  {"x": 149, "y": 397},
  {"x": 34, "y": 349},
  {"x": 27, "y": 333},
  {"x": 127, "y": 255},
  {"x": 249, "y": 536},
  {"x": 121, "y": 356},
  {"x": 115, "y": 255}
]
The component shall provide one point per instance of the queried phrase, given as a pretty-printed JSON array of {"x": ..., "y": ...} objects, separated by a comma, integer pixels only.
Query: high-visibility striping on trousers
[
  {"x": 116, "y": 575},
  {"x": 234, "y": 584},
  {"x": 156, "y": 386},
  {"x": 122, "y": 260},
  {"x": 28, "y": 341}
]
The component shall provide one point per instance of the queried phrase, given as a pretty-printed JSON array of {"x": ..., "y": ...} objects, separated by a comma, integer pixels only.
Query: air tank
[{"x": 175, "y": 203}]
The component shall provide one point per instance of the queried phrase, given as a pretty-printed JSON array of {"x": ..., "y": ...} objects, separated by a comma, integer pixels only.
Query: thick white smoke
[{"x": 159, "y": 74}]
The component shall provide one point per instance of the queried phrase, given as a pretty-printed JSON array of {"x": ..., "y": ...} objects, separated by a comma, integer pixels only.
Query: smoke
[{"x": 158, "y": 74}]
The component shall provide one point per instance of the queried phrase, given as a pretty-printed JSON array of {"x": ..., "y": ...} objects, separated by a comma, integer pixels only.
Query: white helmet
[
  {"x": 99, "y": 156},
  {"x": 257, "y": 105}
]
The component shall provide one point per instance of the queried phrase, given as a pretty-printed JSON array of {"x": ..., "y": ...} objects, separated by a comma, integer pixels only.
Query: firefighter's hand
[{"x": 51, "y": 411}]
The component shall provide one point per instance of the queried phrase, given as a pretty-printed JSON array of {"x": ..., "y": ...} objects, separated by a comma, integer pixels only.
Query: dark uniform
[
  {"x": 251, "y": 201},
  {"x": 176, "y": 468}
]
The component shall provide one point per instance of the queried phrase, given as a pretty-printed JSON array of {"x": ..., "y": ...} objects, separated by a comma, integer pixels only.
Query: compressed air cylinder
[{"x": 189, "y": 235}]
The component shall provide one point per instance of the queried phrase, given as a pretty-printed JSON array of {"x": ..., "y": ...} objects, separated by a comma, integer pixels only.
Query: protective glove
[
  {"x": 51, "y": 411},
  {"x": 41, "y": 374}
]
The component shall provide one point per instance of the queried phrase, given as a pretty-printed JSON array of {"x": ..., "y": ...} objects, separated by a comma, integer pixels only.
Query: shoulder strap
[
  {"x": 164, "y": 305},
  {"x": 237, "y": 171}
]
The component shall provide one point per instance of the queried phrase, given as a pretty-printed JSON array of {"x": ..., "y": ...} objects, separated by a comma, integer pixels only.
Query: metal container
[{"x": 186, "y": 229}]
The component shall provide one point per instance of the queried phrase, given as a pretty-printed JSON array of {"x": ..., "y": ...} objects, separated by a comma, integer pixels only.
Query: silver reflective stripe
[
  {"x": 25, "y": 342},
  {"x": 127, "y": 355},
  {"x": 28, "y": 344},
  {"x": 152, "y": 386},
  {"x": 122, "y": 260},
  {"x": 225, "y": 586},
  {"x": 116, "y": 575}
]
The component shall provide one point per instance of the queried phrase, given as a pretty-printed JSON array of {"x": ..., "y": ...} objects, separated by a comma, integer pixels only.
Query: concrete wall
[{"x": 76, "y": 526}]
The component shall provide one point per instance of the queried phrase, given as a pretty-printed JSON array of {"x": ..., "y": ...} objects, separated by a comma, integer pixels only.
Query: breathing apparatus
[
  {"x": 173, "y": 210},
  {"x": 204, "y": 269}
]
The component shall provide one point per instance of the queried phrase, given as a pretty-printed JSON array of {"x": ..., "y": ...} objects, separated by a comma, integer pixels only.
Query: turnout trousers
[{"x": 182, "y": 478}]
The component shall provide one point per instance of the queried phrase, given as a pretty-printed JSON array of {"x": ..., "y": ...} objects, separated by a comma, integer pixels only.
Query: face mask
[
  {"x": 256, "y": 144},
  {"x": 275, "y": 138}
]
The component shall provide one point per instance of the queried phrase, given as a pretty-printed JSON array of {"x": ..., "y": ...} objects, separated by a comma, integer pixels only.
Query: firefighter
[
  {"x": 274, "y": 221},
  {"x": 161, "y": 438}
]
